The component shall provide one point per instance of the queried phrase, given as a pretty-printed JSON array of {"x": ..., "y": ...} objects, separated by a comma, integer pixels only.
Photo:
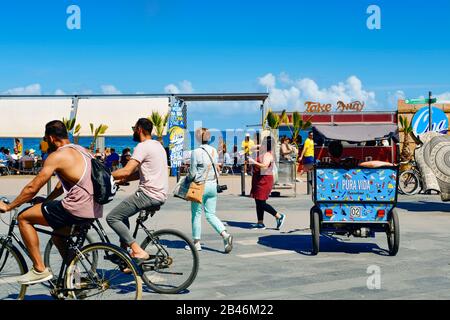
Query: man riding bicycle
[
  {"x": 149, "y": 165},
  {"x": 72, "y": 165}
]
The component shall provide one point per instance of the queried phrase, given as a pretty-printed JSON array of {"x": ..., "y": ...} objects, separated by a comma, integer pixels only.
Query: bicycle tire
[
  {"x": 195, "y": 263},
  {"x": 121, "y": 260},
  {"x": 393, "y": 233},
  {"x": 415, "y": 182},
  {"x": 315, "y": 230},
  {"x": 13, "y": 252}
]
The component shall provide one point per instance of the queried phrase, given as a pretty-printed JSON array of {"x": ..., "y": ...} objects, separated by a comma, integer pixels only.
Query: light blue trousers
[{"x": 209, "y": 204}]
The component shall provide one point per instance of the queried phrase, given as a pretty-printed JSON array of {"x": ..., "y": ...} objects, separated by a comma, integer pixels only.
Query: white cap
[{"x": 247, "y": 134}]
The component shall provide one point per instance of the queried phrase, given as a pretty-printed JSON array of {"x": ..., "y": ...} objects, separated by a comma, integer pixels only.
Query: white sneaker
[
  {"x": 32, "y": 277},
  {"x": 228, "y": 243},
  {"x": 197, "y": 246}
]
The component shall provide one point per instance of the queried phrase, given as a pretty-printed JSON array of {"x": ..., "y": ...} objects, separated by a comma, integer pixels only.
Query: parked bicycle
[
  {"x": 410, "y": 181},
  {"x": 171, "y": 268},
  {"x": 94, "y": 271}
]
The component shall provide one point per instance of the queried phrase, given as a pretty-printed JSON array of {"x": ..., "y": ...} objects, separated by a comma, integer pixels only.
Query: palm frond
[
  {"x": 273, "y": 120},
  {"x": 77, "y": 129}
]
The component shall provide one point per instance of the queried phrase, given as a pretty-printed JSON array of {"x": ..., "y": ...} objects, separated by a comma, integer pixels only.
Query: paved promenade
[{"x": 273, "y": 264}]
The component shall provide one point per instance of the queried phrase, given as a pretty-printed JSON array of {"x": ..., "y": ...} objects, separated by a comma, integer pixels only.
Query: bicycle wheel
[
  {"x": 409, "y": 182},
  {"x": 52, "y": 257},
  {"x": 171, "y": 268},
  {"x": 393, "y": 233},
  {"x": 103, "y": 278},
  {"x": 12, "y": 265}
]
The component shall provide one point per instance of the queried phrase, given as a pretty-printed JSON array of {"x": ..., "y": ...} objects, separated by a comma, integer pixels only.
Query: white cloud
[
  {"x": 393, "y": 98},
  {"x": 182, "y": 87},
  {"x": 268, "y": 81},
  {"x": 285, "y": 78},
  {"x": 443, "y": 97},
  {"x": 292, "y": 94},
  {"x": 110, "y": 89},
  {"x": 32, "y": 89},
  {"x": 59, "y": 92},
  {"x": 171, "y": 88}
]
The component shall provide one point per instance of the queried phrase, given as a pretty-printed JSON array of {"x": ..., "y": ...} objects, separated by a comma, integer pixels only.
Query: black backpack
[{"x": 104, "y": 186}]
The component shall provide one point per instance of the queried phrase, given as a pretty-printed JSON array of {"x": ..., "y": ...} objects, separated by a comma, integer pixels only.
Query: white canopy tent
[{"x": 27, "y": 117}]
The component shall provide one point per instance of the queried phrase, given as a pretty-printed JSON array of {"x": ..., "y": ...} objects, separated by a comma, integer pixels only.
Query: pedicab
[{"x": 350, "y": 199}]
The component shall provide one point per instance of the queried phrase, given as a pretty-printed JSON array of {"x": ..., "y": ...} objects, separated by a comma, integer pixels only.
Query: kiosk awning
[
  {"x": 119, "y": 114},
  {"x": 26, "y": 117},
  {"x": 357, "y": 133}
]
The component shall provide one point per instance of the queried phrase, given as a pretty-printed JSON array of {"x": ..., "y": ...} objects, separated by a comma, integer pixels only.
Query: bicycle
[
  {"x": 86, "y": 272},
  {"x": 169, "y": 270},
  {"x": 410, "y": 181}
]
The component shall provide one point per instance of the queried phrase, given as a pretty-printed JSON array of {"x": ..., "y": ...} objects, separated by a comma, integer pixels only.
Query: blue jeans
[{"x": 209, "y": 204}]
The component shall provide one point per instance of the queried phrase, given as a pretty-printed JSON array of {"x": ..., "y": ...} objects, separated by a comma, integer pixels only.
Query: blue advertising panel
[
  {"x": 355, "y": 195},
  {"x": 354, "y": 185},
  {"x": 177, "y": 128}
]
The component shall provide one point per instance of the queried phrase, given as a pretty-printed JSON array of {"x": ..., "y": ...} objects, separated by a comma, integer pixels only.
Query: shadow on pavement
[
  {"x": 148, "y": 290},
  {"x": 242, "y": 225},
  {"x": 302, "y": 244},
  {"x": 39, "y": 297},
  {"x": 424, "y": 206},
  {"x": 212, "y": 250}
]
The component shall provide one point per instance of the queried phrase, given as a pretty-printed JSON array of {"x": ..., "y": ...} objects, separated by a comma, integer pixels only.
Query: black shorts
[{"x": 57, "y": 217}]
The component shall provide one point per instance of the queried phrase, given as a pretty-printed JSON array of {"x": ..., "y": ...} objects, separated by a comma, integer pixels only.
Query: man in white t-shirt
[{"x": 149, "y": 165}]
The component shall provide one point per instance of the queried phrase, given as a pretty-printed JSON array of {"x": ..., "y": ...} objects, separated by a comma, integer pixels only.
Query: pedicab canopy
[{"x": 357, "y": 133}]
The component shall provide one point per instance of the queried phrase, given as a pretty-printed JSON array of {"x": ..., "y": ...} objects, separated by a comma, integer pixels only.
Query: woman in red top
[{"x": 262, "y": 183}]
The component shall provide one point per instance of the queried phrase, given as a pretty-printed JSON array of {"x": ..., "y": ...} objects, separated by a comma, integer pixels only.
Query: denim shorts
[{"x": 308, "y": 160}]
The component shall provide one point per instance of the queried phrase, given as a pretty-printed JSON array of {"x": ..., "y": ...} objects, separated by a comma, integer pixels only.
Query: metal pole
[
  {"x": 308, "y": 182},
  {"x": 430, "y": 116},
  {"x": 262, "y": 116},
  {"x": 49, "y": 187},
  {"x": 242, "y": 181}
]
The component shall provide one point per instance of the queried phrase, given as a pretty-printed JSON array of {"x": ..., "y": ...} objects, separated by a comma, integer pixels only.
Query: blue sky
[{"x": 295, "y": 49}]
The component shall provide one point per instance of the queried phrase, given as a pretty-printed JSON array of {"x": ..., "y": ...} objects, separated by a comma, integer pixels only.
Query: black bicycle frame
[
  {"x": 139, "y": 225},
  {"x": 70, "y": 245}
]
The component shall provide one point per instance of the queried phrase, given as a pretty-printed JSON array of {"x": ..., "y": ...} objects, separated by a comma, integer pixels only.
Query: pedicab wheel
[
  {"x": 393, "y": 233},
  {"x": 315, "y": 231}
]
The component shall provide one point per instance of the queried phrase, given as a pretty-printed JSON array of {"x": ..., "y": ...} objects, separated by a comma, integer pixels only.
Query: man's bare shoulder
[{"x": 62, "y": 155}]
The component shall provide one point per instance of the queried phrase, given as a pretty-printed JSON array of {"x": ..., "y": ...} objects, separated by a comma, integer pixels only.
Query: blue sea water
[{"x": 120, "y": 143}]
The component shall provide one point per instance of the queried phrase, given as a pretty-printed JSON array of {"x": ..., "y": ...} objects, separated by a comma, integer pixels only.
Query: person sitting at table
[
  {"x": 27, "y": 157},
  {"x": 2, "y": 155},
  {"x": 112, "y": 159},
  {"x": 126, "y": 156}
]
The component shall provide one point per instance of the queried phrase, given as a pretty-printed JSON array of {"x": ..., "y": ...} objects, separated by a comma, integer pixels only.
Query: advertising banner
[{"x": 177, "y": 128}]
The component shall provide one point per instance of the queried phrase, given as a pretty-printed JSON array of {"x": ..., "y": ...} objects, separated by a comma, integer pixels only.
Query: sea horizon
[{"x": 120, "y": 143}]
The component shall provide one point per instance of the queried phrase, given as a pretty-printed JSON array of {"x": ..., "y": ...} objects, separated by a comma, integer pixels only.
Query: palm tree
[
  {"x": 408, "y": 132},
  {"x": 100, "y": 130},
  {"x": 159, "y": 123},
  {"x": 274, "y": 120},
  {"x": 299, "y": 125},
  {"x": 70, "y": 125}
]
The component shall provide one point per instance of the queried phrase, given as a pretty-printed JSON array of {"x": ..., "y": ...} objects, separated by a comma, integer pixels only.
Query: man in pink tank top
[{"x": 72, "y": 165}]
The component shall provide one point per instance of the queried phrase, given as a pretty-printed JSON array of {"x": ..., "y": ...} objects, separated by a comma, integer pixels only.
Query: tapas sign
[{"x": 317, "y": 107}]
